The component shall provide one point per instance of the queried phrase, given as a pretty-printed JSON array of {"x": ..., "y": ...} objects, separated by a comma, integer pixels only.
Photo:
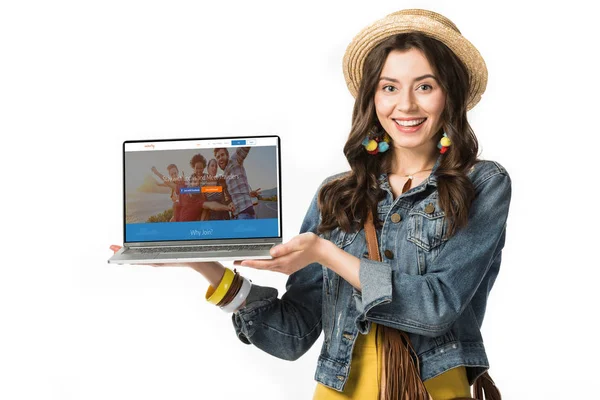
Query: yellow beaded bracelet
[{"x": 213, "y": 295}]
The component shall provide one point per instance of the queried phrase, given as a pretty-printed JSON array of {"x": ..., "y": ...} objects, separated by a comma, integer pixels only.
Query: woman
[
  {"x": 221, "y": 196},
  {"x": 439, "y": 218}
]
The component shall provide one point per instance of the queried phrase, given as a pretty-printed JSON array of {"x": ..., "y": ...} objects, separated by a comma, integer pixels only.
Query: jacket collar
[{"x": 431, "y": 179}]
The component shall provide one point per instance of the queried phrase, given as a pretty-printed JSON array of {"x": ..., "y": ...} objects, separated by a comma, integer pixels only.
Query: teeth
[{"x": 412, "y": 122}]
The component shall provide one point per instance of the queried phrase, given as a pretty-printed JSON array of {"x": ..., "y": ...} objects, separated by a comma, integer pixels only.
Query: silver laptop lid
[{"x": 206, "y": 190}]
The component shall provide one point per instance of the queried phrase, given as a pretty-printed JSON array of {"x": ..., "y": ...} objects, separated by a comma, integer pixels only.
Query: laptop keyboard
[{"x": 195, "y": 249}]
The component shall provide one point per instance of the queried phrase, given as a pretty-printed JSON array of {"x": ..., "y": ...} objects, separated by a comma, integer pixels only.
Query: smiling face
[
  {"x": 212, "y": 168},
  {"x": 173, "y": 172},
  {"x": 409, "y": 100},
  {"x": 199, "y": 168},
  {"x": 222, "y": 158}
]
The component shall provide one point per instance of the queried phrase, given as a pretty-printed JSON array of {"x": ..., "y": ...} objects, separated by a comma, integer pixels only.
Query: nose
[{"x": 406, "y": 101}]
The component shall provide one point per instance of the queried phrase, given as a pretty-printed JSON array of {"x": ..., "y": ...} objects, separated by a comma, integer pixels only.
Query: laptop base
[{"x": 171, "y": 257}]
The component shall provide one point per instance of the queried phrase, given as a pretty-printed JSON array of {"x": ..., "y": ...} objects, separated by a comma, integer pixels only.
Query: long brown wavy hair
[{"x": 345, "y": 201}]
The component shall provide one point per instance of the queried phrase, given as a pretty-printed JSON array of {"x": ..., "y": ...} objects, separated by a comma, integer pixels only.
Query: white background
[{"x": 77, "y": 78}]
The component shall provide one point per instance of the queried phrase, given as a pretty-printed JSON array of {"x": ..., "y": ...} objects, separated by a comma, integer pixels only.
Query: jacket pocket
[{"x": 427, "y": 225}]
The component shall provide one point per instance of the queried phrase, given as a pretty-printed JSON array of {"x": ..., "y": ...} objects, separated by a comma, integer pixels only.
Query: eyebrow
[{"x": 419, "y": 78}]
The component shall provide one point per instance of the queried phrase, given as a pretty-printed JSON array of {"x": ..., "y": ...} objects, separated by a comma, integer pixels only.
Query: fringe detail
[
  {"x": 484, "y": 388},
  {"x": 401, "y": 378}
]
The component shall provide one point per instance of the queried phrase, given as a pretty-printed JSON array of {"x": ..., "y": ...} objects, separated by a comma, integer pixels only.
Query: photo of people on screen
[{"x": 215, "y": 187}]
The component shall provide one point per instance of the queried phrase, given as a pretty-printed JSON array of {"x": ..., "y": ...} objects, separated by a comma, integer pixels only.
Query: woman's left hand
[{"x": 292, "y": 256}]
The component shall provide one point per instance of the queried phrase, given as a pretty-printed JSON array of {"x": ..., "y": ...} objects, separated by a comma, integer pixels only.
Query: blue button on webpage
[
  {"x": 237, "y": 142},
  {"x": 189, "y": 190}
]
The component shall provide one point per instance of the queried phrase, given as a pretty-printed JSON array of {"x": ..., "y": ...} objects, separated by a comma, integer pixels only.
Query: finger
[
  {"x": 281, "y": 264},
  {"x": 295, "y": 244},
  {"x": 115, "y": 247},
  {"x": 260, "y": 264},
  {"x": 167, "y": 265}
]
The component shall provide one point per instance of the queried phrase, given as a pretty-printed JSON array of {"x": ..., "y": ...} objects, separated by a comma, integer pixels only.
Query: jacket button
[
  {"x": 429, "y": 208},
  {"x": 341, "y": 377},
  {"x": 389, "y": 254},
  {"x": 396, "y": 218}
]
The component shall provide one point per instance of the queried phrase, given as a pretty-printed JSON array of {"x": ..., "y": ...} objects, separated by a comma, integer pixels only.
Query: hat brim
[{"x": 394, "y": 24}]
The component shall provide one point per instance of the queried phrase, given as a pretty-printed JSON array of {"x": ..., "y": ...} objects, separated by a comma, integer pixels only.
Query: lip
[
  {"x": 409, "y": 119},
  {"x": 408, "y": 129}
]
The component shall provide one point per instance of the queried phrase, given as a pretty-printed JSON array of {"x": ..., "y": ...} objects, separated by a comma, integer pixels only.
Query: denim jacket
[{"x": 432, "y": 287}]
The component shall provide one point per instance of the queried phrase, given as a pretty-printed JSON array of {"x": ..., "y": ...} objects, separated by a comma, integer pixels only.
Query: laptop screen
[{"x": 202, "y": 189}]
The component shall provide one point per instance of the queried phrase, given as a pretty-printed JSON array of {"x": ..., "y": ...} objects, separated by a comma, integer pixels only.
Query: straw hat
[{"x": 414, "y": 20}]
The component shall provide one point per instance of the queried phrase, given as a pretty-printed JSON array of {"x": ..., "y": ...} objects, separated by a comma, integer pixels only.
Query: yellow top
[{"x": 365, "y": 374}]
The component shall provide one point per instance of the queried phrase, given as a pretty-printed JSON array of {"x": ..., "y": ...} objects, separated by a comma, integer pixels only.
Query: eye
[
  {"x": 386, "y": 87},
  {"x": 426, "y": 86}
]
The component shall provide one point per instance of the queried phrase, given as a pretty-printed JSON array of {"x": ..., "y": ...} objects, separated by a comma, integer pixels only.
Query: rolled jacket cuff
[
  {"x": 376, "y": 288},
  {"x": 244, "y": 320}
]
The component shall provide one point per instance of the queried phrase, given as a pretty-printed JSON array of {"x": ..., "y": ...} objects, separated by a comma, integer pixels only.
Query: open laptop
[{"x": 206, "y": 199}]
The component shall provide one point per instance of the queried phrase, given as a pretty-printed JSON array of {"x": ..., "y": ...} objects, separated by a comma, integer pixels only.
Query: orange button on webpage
[{"x": 212, "y": 189}]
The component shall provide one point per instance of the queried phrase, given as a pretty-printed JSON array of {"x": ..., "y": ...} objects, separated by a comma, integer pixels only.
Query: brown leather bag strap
[{"x": 371, "y": 235}]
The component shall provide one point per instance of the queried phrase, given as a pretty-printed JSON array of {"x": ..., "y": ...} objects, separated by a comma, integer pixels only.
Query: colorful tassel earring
[
  {"x": 444, "y": 143},
  {"x": 376, "y": 142}
]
